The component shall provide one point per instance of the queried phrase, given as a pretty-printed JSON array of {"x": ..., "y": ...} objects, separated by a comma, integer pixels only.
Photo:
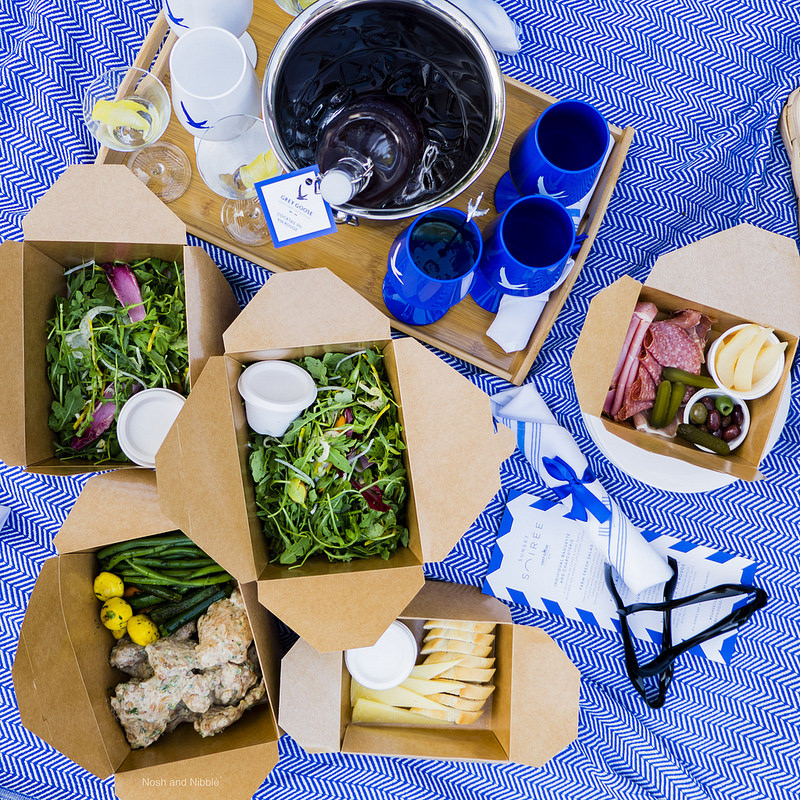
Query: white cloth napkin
[
  {"x": 556, "y": 457},
  {"x": 517, "y": 316}
]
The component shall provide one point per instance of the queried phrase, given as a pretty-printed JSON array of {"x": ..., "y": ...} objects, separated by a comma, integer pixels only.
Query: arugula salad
[
  {"x": 334, "y": 484},
  {"x": 121, "y": 328}
]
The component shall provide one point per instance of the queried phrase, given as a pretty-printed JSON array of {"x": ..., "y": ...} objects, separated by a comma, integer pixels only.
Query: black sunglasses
[{"x": 661, "y": 666}]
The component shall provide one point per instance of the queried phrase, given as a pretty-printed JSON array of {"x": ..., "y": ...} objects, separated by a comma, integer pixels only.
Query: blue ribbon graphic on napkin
[{"x": 582, "y": 499}]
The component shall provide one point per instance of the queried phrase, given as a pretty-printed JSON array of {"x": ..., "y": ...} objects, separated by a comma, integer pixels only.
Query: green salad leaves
[
  {"x": 97, "y": 357},
  {"x": 334, "y": 484}
]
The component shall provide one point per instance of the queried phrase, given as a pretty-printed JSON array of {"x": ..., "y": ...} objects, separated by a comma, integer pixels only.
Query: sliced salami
[
  {"x": 640, "y": 395},
  {"x": 672, "y": 346}
]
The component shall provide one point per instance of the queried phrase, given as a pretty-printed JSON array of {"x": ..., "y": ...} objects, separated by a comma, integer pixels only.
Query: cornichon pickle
[
  {"x": 688, "y": 378},
  {"x": 675, "y": 399},
  {"x": 703, "y": 438},
  {"x": 658, "y": 416}
]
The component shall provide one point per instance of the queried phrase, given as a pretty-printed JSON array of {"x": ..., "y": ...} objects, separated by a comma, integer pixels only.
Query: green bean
[
  {"x": 153, "y": 575},
  {"x": 164, "y": 594},
  {"x": 165, "y": 612},
  {"x": 190, "y": 614},
  {"x": 152, "y": 542},
  {"x": 144, "y": 601}
]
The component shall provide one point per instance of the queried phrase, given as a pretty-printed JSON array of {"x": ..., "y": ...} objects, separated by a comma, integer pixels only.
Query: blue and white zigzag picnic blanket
[{"x": 703, "y": 84}]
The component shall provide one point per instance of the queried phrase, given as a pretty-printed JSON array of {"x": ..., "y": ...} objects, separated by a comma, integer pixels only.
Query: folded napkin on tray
[
  {"x": 516, "y": 317},
  {"x": 559, "y": 462}
]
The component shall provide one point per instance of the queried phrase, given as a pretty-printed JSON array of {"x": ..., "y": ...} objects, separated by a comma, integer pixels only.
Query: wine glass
[
  {"x": 231, "y": 168},
  {"x": 128, "y": 110}
]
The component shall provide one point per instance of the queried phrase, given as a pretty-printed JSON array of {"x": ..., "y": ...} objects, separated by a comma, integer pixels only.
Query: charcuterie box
[
  {"x": 358, "y": 255},
  {"x": 740, "y": 275},
  {"x": 99, "y": 213},
  {"x": 63, "y": 679},
  {"x": 452, "y": 459},
  {"x": 531, "y": 715}
]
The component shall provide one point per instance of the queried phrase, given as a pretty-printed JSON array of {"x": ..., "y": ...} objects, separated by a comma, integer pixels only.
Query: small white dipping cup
[
  {"x": 764, "y": 386},
  {"x": 388, "y": 662},
  {"x": 144, "y": 422},
  {"x": 275, "y": 393},
  {"x": 714, "y": 394}
]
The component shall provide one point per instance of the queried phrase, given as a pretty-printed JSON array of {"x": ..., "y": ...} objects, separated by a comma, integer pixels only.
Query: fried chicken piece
[
  {"x": 172, "y": 657},
  {"x": 145, "y": 707},
  {"x": 228, "y": 683},
  {"x": 131, "y": 658},
  {"x": 217, "y": 718},
  {"x": 179, "y": 715},
  {"x": 224, "y": 633}
]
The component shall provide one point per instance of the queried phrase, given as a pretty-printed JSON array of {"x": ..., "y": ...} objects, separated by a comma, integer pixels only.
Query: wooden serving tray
[{"x": 357, "y": 254}]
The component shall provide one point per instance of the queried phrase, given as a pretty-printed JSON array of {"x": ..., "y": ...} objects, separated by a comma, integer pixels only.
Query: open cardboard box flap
[
  {"x": 454, "y": 455},
  {"x": 302, "y": 309},
  {"x": 538, "y": 719},
  {"x": 94, "y": 203},
  {"x": 113, "y": 507},
  {"x": 747, "y": 271},
  {"x": 62, "y": 676},
  {"x": 744, "y": 273}
]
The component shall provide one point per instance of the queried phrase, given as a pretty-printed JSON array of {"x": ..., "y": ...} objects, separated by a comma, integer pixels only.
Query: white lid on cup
[
  {"x": 388, "y": 662},
  {"x": 275, "y": 393},
  {"x": 144, "y": 422}
]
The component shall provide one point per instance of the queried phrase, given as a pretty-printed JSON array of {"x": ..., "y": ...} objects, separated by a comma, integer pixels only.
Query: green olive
[
  {"x": 698, "y": 414},
  {"x": 724, "y": 405}
]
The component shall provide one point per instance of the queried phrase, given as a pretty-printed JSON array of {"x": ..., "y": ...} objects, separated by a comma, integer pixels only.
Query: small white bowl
[
  {"x": 764, "y": 386},
  {"x": 714, "y": 393},
  {"x": 275, "y": 393},
  {"x": 144, "y": 422},
  {"x": 388, "y": 662}
]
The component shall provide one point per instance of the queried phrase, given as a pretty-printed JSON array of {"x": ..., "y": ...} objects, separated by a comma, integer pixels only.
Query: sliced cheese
[
  {"x": 730, "y": 350},
  {"x": 468, "y": 675},
  {"x": 461, "y": 703},
  {"x": 767, "y": 358},
  {"x": 745, "y": 364},
  {"x": 460, "y": 625},
  {"x": 426, "y": 671},
  {"x": 453, "y": 646},
  {"x": 450, "y": 715},
  {"x": 466, "y": 661},
  {"x": 398, "y": 696},
  {"x": 368, "y": 711},
  {"x": 460, "y": 636},
  {"x": 432, "y": 687},
  {"x": 476, "y": 691}
]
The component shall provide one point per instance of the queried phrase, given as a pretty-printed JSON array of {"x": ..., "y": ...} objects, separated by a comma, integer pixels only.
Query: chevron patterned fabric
[{"x": 703, "y": 84}]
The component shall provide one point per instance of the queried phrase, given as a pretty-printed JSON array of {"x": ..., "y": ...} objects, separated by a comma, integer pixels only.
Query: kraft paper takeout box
[
  {"x": 743, "y": 274},
  {"x": 530, "y": 717},
  {"x": 452, "y": 456},
  {"x": 63, "y": 681},
  {"x": 91, "y": 212}
]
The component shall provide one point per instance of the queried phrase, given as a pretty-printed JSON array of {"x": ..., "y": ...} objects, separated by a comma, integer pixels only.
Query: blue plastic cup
[
  {"x": 558, "y": 156},
  {"x": 432, "y": 265},
  {"x": 524, "y": 252}
]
